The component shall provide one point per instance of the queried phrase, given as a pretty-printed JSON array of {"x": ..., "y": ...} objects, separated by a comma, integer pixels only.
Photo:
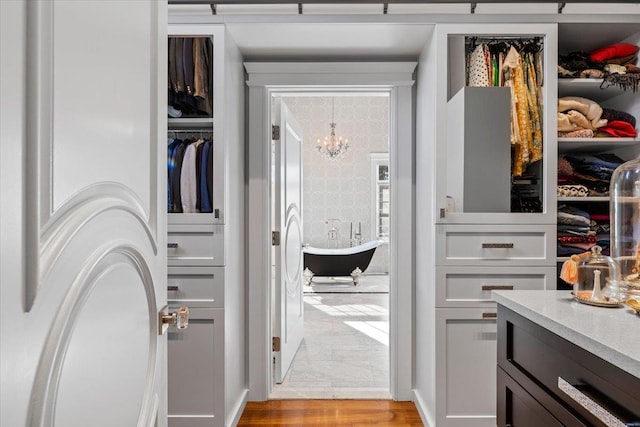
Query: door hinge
[
  {"x": 275, "y": 132},
  {"x": 275, "y": 344},
  {"x": 275, "y": 238}
]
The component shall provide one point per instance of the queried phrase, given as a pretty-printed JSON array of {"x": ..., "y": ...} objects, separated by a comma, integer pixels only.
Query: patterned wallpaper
[{"x": 341, "y": 187}]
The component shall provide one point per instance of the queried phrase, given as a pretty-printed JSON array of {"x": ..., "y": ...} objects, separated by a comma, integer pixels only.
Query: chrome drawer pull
[
  {"x": 590, "y": 405},
  {"x": 172, "y": 246},
  {"x": 497, "y": 246},
  {"x": 173, "y": 288},
  {"x": 497, "y": 287},
  {"x": 489, "y": 315}
]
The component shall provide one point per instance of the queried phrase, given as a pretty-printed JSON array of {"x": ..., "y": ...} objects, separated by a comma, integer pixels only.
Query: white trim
[
  {"x": 268, "y": 79},
  {"x": 423, "y": 410},
  {"x": 233, "y": 417},
  {"x": 376, "y": 160}
]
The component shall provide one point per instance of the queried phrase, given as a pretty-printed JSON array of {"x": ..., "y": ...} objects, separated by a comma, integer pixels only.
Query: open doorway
[
  {"x": 345, "y": 189},
  {"x": 288, "y": 78}
]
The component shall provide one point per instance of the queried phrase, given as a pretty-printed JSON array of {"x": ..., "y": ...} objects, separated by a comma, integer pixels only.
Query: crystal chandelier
[{"x": 332, "y": 146}]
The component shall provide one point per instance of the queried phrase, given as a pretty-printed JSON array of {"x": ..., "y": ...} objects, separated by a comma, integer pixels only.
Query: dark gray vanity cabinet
[{"x": 545, "y": 380}]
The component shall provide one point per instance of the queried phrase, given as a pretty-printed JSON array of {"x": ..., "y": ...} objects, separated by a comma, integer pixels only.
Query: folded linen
[
  {"x": 589, "y": 108},
  {"x": 572, "y": 191},
  {"x": 580, "y": 133},
  {"x": 611, "y": 115},
  {"x": 618, "y": 128}
]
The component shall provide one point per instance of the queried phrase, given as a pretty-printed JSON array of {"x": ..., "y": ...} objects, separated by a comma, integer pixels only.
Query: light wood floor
[{"x": 352, "y": 413}]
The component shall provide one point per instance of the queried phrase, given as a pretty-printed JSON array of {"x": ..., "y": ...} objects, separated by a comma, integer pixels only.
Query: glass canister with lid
[
  {"x": 598, "y": 280},
  {"x": 625, "y": 224}
]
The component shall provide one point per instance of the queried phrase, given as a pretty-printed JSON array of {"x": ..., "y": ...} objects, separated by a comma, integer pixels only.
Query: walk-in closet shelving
[
  {"x": 201, "y": 117},
  {"x": 572, "y": 38},
  {"x": 481, "y": 246},
  {"x": 196, "y": 243}
]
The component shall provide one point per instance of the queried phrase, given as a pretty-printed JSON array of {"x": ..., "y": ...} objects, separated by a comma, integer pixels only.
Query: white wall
[
  {"x": 424, "y": 369},
  {"x": 341, "y": 187},
  {"x": 235, "y": 312}
]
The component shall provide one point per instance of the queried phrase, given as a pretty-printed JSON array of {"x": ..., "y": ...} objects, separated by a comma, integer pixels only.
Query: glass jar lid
[{"x": 595, "y": 272}]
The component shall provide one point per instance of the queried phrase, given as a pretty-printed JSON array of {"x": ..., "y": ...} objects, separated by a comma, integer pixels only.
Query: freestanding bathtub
[{"x": 338, "y": 262}]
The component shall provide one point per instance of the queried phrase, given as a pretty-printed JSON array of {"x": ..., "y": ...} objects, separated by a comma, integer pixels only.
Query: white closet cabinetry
[
  {"x": 196, "y": 370},
  {"x": 474, "y": 182},
  {"x": 480, "y": 244},
  {"x": 196, "y": 273}
]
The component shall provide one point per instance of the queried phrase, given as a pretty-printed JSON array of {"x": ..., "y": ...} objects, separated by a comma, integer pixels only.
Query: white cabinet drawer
[
  {"x": 189, "y": 246},
  {"x": 523, "y": 245},
  {"x": 196, "y": 286},
  {"x": 472, "y": 286}
]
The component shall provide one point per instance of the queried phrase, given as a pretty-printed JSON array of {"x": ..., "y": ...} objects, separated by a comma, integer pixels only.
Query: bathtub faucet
[{"x": 355, "y": 237}]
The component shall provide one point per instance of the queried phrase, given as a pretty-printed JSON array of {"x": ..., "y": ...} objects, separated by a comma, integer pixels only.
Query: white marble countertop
[{"x": 613, "y": 334}]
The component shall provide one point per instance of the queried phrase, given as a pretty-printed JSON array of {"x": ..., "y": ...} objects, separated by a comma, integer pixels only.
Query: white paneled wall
[{"x": 341, "y": 187}]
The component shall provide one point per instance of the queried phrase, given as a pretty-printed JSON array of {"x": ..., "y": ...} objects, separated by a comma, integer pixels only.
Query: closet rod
[
  {"x": 486, "y": 38},
  {"x": 267, "y": 2}
]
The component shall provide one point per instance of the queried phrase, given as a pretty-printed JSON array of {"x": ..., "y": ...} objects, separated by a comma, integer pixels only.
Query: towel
[{"x": 590, "y": 109}]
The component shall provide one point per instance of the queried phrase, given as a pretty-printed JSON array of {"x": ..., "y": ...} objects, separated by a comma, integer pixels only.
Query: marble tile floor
[{"x": 345, "y": 352}]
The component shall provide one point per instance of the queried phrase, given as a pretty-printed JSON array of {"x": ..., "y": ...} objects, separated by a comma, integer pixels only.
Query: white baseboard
[
  {"x": 425, "y": 414},
  {"x": 234, "y": 415}
]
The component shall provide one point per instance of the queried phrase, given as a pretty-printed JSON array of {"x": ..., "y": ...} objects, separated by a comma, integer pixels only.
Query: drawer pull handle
[
  {"x": 497, "y": 246},
  {"x": 497, "y": 287},
  {"x": 590, "y": 405},
  {"x": 489, "y": 315},
  {"x": 173, "y": 288},
  {"x": 172, "y": 246}
]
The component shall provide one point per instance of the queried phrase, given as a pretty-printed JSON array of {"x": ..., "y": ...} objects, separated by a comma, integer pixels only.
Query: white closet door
[{"x": 83, "y": 213}]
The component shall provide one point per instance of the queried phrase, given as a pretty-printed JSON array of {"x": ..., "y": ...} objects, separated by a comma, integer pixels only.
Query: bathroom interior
[{"x": 345, "y": 205}]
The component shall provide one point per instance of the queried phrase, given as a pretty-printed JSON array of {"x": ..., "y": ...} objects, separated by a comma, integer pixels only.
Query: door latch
[
  {"x": 275, "y": 238},
  {"x": 177, "y": 319}
]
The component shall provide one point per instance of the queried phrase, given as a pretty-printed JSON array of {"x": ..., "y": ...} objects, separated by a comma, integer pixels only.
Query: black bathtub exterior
[{"x": 338, "y": 265}]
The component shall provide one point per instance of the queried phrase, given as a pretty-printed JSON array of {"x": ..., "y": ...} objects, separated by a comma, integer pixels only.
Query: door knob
[{"x": 178, "y": 319}]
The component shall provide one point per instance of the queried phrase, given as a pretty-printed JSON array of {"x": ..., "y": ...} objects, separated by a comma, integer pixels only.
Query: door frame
[{"x": 268, "y": 78}]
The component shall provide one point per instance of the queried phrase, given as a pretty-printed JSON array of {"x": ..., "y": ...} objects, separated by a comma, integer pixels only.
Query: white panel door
[
  {"x": 83, "y": 258},
  {"x": 466, "y": 367},
  {"x": 289, "y": 313}
]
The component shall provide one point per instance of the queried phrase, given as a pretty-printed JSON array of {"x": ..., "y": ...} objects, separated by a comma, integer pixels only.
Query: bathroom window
[{"x": 380, "y": 196}]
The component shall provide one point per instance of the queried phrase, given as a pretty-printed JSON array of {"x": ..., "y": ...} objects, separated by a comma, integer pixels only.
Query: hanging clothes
[
  {"x": 189, "y": 180},
  {"x": 190, "y": 77},
  {"x": 478, "y": 74},
  {"x": 519, "y": 110},
  {"x": 204, "y": 180},
  {"x": 535, "y": 150},
  {"x": 517, "y": 64}
]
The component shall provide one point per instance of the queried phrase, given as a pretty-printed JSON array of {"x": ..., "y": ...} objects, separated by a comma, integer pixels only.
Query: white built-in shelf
[
  {"x": 584, "y": 199},
  {"x": 588, "y": 88},
  {"x": 568, "y": 145},
  {"x": 190, "y": 123}
]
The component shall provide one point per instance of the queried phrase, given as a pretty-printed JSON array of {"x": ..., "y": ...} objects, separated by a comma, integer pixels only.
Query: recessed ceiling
[{"x": 330, "y": 40}]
